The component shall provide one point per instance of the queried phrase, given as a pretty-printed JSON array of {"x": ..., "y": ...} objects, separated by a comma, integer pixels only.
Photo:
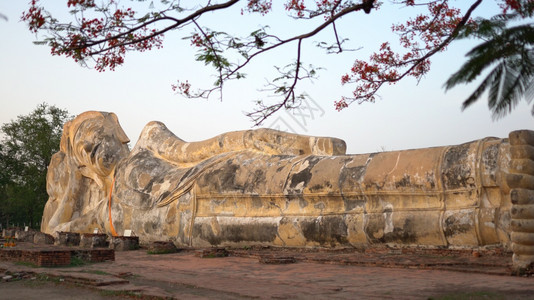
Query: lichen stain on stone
[
  {"x": 455, "y": 225},
  {"x": 184, "y": 220},
  {"x": 353, "y": 172},
  {"x": 489, "y": 161},
  {"x": 319, "y": 206},
  {"x": 326, "y": 230},
  {"x": 236, "y": 233},
  {"x": 431, "y": 179},
  {"x": 257, "y": 202},
  {"x": 223, "y": 178},
  {"x": 404, "y": 182},
  {"x": 254, "y": 180},
  {"x": 298, "y": 180},
  {"x": 405, "y": 234},
  {"x": 320, "y": 187},
  {"x": 351, "y": 204},
  {"x": 374, "y": 228},
  {"x": 351, "y": 176},
  {"x": 380, "y": 229},
  {"x": 457, "y": 167},
  {"x": 151, "y": 226}
]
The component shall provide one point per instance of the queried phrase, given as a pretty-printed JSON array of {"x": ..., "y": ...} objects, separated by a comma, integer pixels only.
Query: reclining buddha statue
[{"x": 268, "y": 187}]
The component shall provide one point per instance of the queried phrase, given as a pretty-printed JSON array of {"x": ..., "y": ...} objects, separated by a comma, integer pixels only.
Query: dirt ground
[
  {"x": 38, "y": 289},
  {"x": 311, "y": 275}
]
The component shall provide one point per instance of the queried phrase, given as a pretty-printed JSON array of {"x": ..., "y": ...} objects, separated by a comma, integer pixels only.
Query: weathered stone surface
[
  {"x": 24, "y": 236},
  {"x": 94, "y": 240},
  {"x": 211, "y": 253},
  {"x": 68, "y": 238},
  {"x": 124, "y": 243},
  {"x": 265, "y": 187},
  {"x": 43, "y": 238},
  {"x": 161, "y": 247},
  {"x": 9, "y": 232},
  {"x": 521, "y": 180}
]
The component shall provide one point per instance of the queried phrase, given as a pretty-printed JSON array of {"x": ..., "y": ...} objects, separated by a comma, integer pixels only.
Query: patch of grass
[
  {"x": 45, "y": 277},
  {"x": 77, "y": 262},
  {"x": 469, "y": 296},
  {"x": 26, "y": 264}
]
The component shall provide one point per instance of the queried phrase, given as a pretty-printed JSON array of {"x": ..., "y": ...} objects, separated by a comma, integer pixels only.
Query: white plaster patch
[
  {"x": 489, "y": 224},
  {"x": 303, "y": 166},
  {"x": 388, "y": 217},
  {"x": 164, "y": 186},
  {"x": 312, "y": 144}
]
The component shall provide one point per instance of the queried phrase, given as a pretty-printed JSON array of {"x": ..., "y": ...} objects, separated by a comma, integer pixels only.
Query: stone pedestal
[
  {"x": 68, "y": 239},
  {"x": 124, "y": 243},
  {"x": 94, "y": 240}
]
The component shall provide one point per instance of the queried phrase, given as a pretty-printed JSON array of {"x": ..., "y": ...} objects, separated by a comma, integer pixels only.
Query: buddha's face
[{"x": 100, "y": 143}]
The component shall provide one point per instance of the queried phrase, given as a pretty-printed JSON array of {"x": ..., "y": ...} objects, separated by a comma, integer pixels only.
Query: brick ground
[{"x": 376, "y": 274}]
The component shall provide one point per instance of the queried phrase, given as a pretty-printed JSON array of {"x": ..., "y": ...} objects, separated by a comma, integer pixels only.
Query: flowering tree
[{"x": 100, "y": 33}]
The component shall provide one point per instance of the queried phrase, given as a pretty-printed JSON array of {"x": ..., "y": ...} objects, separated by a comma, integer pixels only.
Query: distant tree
[
  {"x": 25, "y": 153},
  {"x": 100, "y": 33}
]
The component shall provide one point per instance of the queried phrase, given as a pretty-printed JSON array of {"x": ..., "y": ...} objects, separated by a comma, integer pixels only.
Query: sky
[{"x": 406, "y": 116}]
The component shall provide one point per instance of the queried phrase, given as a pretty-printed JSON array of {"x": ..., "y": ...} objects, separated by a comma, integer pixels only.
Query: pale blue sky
[{"x": 407, "y": 115}]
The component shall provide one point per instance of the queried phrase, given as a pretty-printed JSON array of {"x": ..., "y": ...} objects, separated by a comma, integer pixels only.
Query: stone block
[
  {"x": 211, "y": 252},
  {"x": 9, "y": 232},
  {"x": 68, "y": 239},
  {"x": 93, "y": 240},
  {"x": 42, "y": 238},
  {"x": 94, "y": 255},
  {"x": 24, "y": 236},
  {"x": 124, "y": 243},
  {"x": 161, "y": 247}
]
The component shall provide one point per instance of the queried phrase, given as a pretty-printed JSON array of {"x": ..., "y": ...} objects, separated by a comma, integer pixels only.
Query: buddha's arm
[{"x": 160, "y": 140}]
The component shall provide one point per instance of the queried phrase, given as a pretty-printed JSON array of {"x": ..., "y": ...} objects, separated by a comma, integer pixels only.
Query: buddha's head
[{"x": 96, "y": 142}]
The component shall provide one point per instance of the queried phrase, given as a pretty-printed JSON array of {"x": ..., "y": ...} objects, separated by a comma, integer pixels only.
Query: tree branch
[
  {"x": 178, "y": 22},
  {"x": 443, "y": 44}
]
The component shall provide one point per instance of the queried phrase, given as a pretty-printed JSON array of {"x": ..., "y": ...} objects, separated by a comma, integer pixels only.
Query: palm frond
[
  {"x": 511, "y": 51},
  {"x": 490, "y": 79},
  {"x": 508, "y": 93},
  {"x": 514, "y": 84}
]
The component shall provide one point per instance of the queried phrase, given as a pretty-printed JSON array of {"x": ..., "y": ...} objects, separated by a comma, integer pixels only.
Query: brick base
[{"x": 55, "y": 257}]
